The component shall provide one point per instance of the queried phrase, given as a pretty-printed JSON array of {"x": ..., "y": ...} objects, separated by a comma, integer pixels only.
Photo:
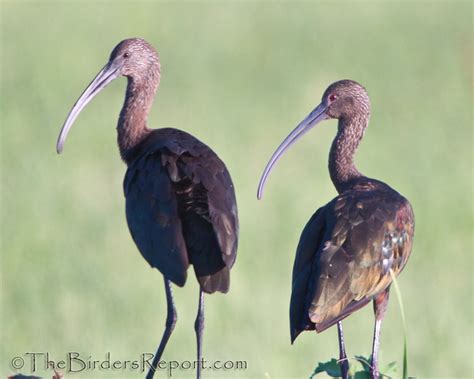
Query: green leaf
[
  {"x": 359, "y": 368},
  {"x": 331, "y": 368},
  {"x": 364, "y": 362},
  {"x": 361, "y": 375}
]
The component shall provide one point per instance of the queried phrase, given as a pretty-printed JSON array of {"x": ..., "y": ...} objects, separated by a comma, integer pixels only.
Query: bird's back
[
  {"x": 181, "y": 208},
  {"x": 346, "y": 252}
]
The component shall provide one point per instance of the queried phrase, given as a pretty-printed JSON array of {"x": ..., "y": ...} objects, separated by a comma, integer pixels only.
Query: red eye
[{"x": 332, "y": 97}]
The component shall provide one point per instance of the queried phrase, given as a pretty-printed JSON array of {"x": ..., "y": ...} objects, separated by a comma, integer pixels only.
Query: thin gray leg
[
  {"x": 343, "y": 362},
  {"x": 171, "y": 319},
  {"x": 375, "y": 350},
  {"x": 380, "y": 307},
  {"x": 199, "y": 328}
]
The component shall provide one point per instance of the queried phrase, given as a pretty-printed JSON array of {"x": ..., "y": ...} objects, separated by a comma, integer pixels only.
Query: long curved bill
[
  {"x": 102, "y": 79},
  {"x": 318, "y": 114}
]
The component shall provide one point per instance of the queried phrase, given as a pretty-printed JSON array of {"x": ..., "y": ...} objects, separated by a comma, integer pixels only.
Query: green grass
[{"x": 239, "y": 76}]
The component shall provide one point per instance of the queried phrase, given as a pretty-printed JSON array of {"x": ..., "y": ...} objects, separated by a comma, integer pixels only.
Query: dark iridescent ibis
[
  {"x": 180, "y": 200},
  {"x": 350, "y": 245}
]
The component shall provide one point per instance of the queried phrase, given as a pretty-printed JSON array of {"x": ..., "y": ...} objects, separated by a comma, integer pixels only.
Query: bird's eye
[
  {"x": 126, "y": 55},
  {"x": 332, "y": 97}
]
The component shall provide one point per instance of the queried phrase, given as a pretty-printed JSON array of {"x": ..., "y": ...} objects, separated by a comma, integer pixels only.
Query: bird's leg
[
  {"x": 343, "y": 362},
  {"x": 199, "y": 327},
  {"x": 171, "y": 319},
  {"x": 380, "y": 306}
]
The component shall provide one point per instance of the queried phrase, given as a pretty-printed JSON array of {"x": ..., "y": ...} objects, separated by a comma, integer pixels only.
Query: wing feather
[
  {"x": 346, "y": 252},
  {"x": 368, "y": 233},
  {"x": 181, "y": 207},
  {"x": 153, "y": 220},
  {"x": 308, "y": 245}
]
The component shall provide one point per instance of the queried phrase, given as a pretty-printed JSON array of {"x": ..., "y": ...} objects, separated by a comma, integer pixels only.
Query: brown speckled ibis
[
  {"x": 180, "y": 200},
  {"x": 349, "y": 246}
]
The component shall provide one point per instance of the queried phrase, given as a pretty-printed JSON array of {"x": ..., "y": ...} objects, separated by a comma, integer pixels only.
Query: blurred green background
[{"x": 239, "y": 76}]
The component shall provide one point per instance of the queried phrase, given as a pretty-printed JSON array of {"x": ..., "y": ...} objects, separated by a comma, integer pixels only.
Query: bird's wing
[
  {"x": 307, "y": 247},
  {"x": 153, "y": 219},
  {"x": 209, "y": 210},
  {"x": 367, "y": 234},
  {"x": 204, "y": 204},
  {"x": 223, "y": 212}
]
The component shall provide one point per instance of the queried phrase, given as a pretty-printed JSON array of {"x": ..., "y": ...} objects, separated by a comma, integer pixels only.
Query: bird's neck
[
  {"x": 132, "y": 126},
  {"x": 341, "y": 157}
]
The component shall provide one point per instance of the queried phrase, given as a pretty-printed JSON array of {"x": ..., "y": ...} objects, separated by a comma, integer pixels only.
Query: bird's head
[
  {"x": 343, "y": 99},
  {"x": 134, "y": 58}
]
